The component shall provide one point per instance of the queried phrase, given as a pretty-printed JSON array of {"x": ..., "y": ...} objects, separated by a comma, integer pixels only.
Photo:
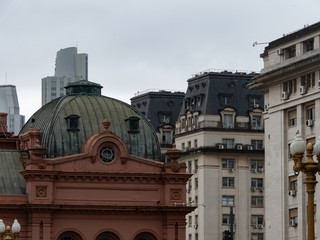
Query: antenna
[{"x": 257, "y": 43}]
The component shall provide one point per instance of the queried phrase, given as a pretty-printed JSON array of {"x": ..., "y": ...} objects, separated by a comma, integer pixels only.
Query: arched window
[
  {"x": 69, "y": 236},
  {"x": 107, "y": 236},
  {"x": 145, "y": 236}
]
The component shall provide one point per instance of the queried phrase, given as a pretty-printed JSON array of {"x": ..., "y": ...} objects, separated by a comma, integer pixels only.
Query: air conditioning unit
[
  {"x": 256, "y": 105},
  {"x": 260, "y": 189},
  {"x": 195, "y": 226},
  {"x": 254, "y": 170},
  {"x": 260, "y": 226},
  {"x": 266, "y": 107},
  {"x": 293, "y": 222},
  {"x": 239, "y": 147},
  {"x": 221, "y": 146},
  {"x": 284, "y": 95},
  {"x": 250, "y": 147},
  {"x": 309, "y": 123},
  {"x": 302, "y": 90},
  {"x": 231, "y": 169},
  {"x": 253, "y": 189},
  {"x": 260, "y": 169},
  {"x": 292, "y": 192},
  {"x": 280, "y": 51},
  {"x": 255, "y": 226}
]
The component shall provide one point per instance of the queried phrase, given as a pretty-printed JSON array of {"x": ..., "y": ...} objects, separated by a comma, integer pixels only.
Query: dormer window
[
  {"x": 133, "y": 124},
  {"x": 73, "y": 123},
  {"x": 225, "y": 99}
]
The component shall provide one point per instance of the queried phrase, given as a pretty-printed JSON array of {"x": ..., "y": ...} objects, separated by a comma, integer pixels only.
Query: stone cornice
[
  {"x": 99, "y": 209},
  {"x": 36, "y": 175}
]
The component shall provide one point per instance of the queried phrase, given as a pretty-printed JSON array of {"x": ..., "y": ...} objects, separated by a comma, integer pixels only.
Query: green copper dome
[{"x": 68, "y": 122}]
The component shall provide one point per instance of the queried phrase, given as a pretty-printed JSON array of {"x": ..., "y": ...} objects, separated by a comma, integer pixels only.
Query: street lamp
[
  {"x": 8, "y": 232},
  {"x": 309, "y": 167}
]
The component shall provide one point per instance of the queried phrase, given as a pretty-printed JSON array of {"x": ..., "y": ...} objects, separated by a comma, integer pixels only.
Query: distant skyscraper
[
  {"x": 70, "y": 67},
  {"x": 9, "y": 104}
]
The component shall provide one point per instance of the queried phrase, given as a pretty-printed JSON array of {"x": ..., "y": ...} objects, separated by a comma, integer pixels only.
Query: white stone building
[
  {"x": 9, "y": 104},
  {"x": 290, "y": 81},
  {"x": 70, "y": 67},
  {"x": 220, "y": 131}
]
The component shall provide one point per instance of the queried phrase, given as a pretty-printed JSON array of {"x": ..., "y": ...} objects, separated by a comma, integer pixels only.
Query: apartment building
[
  {"x": 161, "y": 108},
  {"x": 70, "y": 66},
  {"x": 220, "y": 131},
  {"x": 290, "y": 81}
]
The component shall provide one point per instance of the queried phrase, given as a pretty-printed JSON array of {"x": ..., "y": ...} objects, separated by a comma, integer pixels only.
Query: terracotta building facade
[{"x": 88, "y": 182}]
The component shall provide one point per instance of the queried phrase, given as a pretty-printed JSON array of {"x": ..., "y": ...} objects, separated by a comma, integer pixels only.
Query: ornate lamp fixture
[
  {"x": 309, "y": 167},
  {"x": 8, "y": 232}
]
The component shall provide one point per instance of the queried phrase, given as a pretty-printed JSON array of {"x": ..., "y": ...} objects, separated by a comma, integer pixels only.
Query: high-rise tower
[
  {"x": 9, "y": 104},
  {"x": 70, "y": 66}
]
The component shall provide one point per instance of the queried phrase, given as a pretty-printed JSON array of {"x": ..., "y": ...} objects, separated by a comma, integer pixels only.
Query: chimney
[{"x": 3, "y": 123}]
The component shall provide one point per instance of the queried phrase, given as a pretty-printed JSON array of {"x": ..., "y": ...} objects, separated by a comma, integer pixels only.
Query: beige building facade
[
  {"x": 290, "y": 81},
  {"x": 220, "y": 131}
]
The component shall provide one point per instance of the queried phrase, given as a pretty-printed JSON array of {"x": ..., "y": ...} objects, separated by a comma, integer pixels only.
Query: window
[
  {"x": 257, "y": 182},
  {"x": 73, "y": 123},
  {"x": 190, "y": 221},
  {"x": 254, "y": 101},
  {"x": 310, "y": 112},
  {"x": 196, "y": 200},
  {"x": 256, "y": 220},
  {"x": 133, "y": 124},
  {"x": 196, "y": 182},
  {"x": 256, "y": 201},
  {"x": 308, "y": 45},
  {"x": 227, "y": 200},
  {"x": 195, "y": 143},
  {"x": 290, "y": 52},
  {"x": 228, "y": 182},
  {"x": 190, "y": 237},
  {"x": 196, "y": 165},
  {"x": 292, "y": 115},
  {"x": 190, "y": 185},
  {"x": 293, "y": 216},
  {"x": 226, "y": 219},
  {"x": 228, "y": 143},
  {"x": 290, "y": 86},
  {"x": 166, "y": 137},
  {"x": 257, "y": 144},
  {"x": 227, "y": 163},
  {"x": 257, "y": 236},
  {"x": 183, "y": 146},
  {"x": 256, "y": 164},
  {"x": 228, "y": 121},
  {"x": 164, "y": 118},
  {"x": 189, "y": 166},
  {"x": 256, "y": 122},
  {"x": 293, "y": 183}
]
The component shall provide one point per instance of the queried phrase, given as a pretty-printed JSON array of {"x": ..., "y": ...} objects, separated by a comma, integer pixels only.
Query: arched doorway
[
  {"x": 107, "y": 236},
  {"x": 69, "y": 235},
  {"x": 145, "y": 236}
]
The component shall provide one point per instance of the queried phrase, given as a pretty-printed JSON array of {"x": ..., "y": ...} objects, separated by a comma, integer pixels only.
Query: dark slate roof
[
  {"x": 11, "y": 181},
  {"x": 210, "y": 87},
  {"x": 91, "y": 109},
  {"x": 155, "y": 104}
]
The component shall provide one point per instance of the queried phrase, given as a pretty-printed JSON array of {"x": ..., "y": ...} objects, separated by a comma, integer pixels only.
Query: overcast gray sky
[{"x": 134, "y": 45}]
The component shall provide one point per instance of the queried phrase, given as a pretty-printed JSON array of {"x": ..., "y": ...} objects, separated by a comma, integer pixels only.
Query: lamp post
[
  {"x": 309, "y": 167},
  {"x": 6, "y": 233}
]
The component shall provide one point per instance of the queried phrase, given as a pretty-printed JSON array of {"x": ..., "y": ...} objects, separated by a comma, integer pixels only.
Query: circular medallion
[{"x": 106, "y": 154}]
